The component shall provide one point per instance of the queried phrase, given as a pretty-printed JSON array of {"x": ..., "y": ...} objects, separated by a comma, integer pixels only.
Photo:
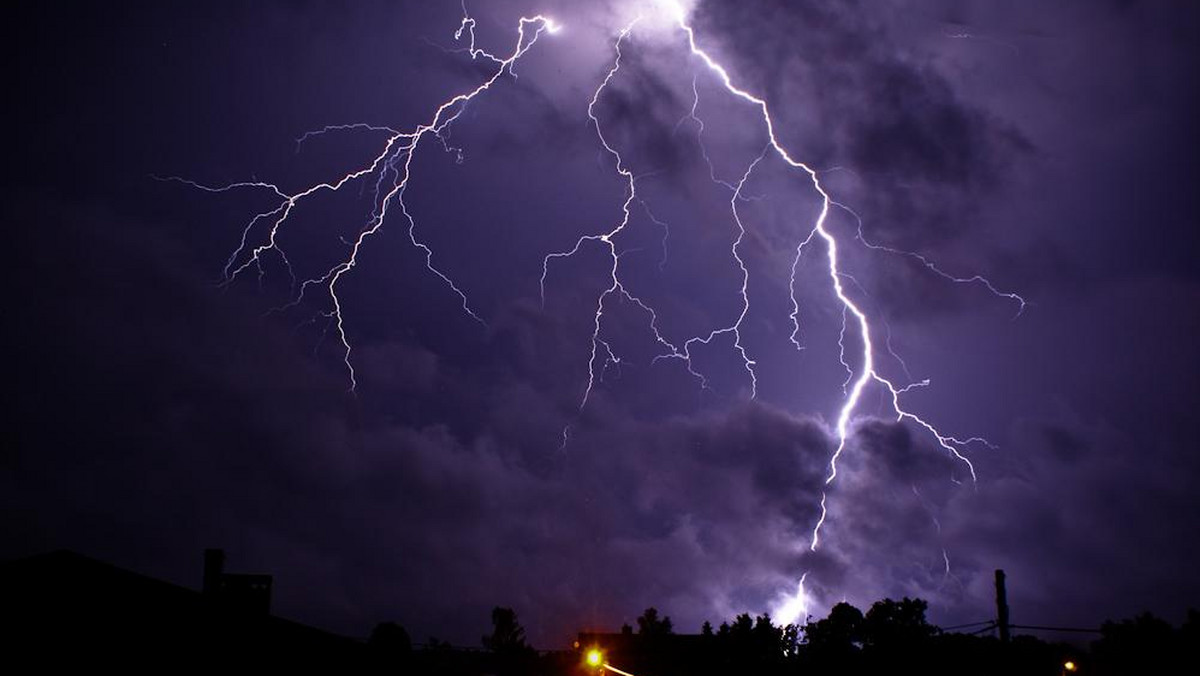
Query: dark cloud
[
  {"x": 280, "y": 471},
  {"x": 1096, "y": 505},
  {"x": 285, "y": 471}
]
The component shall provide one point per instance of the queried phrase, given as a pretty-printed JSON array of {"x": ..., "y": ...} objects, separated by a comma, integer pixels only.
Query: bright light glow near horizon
[{"x": 794, "y": 608}]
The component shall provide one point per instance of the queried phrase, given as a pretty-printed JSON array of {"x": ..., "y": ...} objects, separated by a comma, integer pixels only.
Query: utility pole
[{"x": 1001, "y": 607}]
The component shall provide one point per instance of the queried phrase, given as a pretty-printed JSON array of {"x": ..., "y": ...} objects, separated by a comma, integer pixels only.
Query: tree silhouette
[
  {"x": 892, "y": 624},
  {"x": 1143, "y": 644},
  {"x": 389, "y": 647},
  {"x": 841, "y": 632},
  {"x": 507, "y": 642},
  {"x": 766, "y": 643},
  {"x": 507, "y": 635},
  {"x": 742, "y": 625},
  {"x": 789, "y": 641},
  {"x": 650, "y": 625},
  {"x": 834, "y": 643}
]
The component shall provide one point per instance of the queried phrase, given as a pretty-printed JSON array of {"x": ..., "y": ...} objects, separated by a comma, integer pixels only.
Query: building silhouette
[{"x": 64, "y": 610}]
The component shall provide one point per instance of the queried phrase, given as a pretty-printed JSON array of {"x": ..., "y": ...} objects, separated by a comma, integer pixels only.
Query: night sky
[{"x": 155, "y": 410}]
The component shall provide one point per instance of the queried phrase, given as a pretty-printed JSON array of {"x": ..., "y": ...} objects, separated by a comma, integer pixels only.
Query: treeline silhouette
[
  {"x": 63, "y": 612},
  {"x": 890, "y": 637}
]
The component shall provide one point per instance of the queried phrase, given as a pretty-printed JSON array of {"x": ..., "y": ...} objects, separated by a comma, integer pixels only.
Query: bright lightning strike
[
  {"x": 391, "y": 171},
  {"x": 794, "y": 608},
  {"x": 867, "y": 371},
  {"x": 857, "y": 381}
]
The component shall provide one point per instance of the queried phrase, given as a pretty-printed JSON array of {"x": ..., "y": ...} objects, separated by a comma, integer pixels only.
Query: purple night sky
[{"x": 156, "y": 411}]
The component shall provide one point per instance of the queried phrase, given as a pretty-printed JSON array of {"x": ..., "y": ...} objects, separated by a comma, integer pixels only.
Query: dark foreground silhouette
[{"x": 63, "y": 611}]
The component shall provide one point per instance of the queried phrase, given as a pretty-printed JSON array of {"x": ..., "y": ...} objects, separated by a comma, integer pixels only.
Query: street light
[
  {"x": 595, "y": 658},
  {"x": 1070, "y": 667}
]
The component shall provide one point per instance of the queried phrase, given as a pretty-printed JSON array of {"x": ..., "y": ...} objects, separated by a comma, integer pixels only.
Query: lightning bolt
[
  {"x": 794, "y": 607},
  {"x": 853, "y": 314},
  {"x": 857, "y": 381},
  {"x": 391, "y": 171},
  {"x": 867, "y": 372},
  {"x": 392, "y": 168}
]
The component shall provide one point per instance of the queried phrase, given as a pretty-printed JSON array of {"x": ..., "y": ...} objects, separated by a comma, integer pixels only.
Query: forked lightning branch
[{"x": 389, "y": 176}]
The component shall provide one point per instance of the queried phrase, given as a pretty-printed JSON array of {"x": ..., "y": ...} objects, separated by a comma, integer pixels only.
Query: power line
[
  {"x": 969, "y": 624},
  {"x": 991, "y": 624},
  {"x": 1071, "y": 629}
]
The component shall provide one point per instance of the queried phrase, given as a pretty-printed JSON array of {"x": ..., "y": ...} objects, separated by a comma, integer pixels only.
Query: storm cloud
[{"x": 157, "y": 412}]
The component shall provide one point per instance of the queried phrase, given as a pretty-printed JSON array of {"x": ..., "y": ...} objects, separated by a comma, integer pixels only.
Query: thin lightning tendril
[{"x": 394, "y": 165}]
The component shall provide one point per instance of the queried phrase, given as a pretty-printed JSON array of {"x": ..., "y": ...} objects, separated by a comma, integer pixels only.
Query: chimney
[{"x": 214, "y": 570}]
